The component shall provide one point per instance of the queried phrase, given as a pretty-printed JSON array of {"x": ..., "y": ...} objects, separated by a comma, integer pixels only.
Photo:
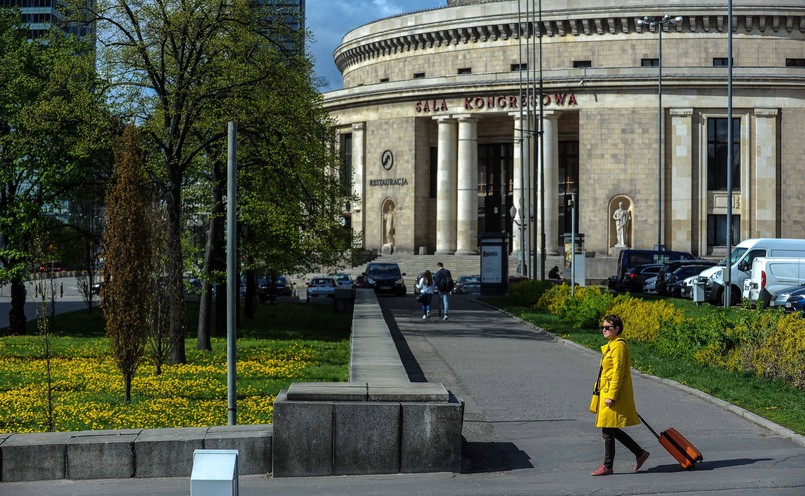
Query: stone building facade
[{"x": 439, "y": 122}]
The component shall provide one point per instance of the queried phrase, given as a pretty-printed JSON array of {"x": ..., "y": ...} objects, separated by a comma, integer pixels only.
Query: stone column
[
  {"x": 446, "y": 188},
  {"x": 550, "y": 142},
  {"x": 520, "y": 170},
  {"x": 467, "y": 190},
  {"x": 765, "y": 180},
  {"x": 358, "y": 167},
  {"x": 681, "y": 161}
]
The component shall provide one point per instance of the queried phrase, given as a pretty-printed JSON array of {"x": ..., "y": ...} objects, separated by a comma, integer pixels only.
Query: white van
[
  {"x": 770, "y": 275},
  {"x": 740, "y": 263}
]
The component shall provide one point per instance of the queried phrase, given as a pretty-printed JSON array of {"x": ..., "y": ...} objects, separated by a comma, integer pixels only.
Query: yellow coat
[{"x": 616, "y": 383}]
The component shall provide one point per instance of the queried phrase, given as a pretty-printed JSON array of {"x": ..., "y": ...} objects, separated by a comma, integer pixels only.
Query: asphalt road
[{"x": 527, "y": 430}]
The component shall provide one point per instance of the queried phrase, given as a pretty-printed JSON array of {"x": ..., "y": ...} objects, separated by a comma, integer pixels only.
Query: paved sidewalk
[{"x": 526, "y": 426}]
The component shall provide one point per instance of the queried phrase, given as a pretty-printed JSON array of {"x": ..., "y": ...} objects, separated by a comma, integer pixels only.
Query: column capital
[
  {"x": 444, "y": 118},
  {"x": 358, "y": 126},
  {"x": 466, "y": 117},
  {"x": 549, "y": 114}
]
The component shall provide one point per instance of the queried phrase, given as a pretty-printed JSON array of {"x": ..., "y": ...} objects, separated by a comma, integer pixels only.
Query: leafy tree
[
  {"x": 183, "y": 68},
  {"x": 127, "y": 271},
  {"x": 52, "y": 121}
]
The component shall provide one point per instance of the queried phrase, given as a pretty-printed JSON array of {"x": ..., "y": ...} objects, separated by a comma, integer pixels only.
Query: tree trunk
[
  {"x": 249, "y": 304},
  {"x": 17, "y": 323},
  {"x": 212, "y": 262},
  {"x": 175, "y": 285}
]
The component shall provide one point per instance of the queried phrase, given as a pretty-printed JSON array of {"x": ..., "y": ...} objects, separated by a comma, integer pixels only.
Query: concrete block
[
  {"x": 326, "y": 391},
  {"x": 367, "y": 438},
  {"x": 101, "y": 455},
  {"x": 303, "y": 438},
  {"x": 431, "y": 437},
  {"x": 253, "y": 442},
  {"x": 39, "y": 456},
  {"x": 167, "y": 452},
  {"x": 410, "y": 392}
]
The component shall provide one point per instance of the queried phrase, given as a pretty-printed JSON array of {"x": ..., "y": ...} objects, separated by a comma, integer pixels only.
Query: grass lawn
[
  {"x": 773, "y": 400},
  {"x": 285, "y": 343}
]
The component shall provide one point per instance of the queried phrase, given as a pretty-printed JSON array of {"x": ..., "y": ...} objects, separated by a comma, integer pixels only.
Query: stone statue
[
  {"x": 622, "y": 218},
  {"x": 388, "y": 219}
]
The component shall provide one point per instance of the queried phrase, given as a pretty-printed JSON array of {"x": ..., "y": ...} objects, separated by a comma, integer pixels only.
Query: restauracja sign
[{"x": 498, "y": 102}]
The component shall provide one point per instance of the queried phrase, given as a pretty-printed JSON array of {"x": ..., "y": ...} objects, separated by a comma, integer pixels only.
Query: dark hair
[
  {"x": 427, "y": 277},
  {"x": 440, "y": 264},
  {"x": 615, "y": 321}
]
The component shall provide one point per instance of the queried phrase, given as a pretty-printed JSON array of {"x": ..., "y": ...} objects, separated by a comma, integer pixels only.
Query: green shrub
[
  {"x": 528, "y": 293},
  {"x": 583, "y": 309},
  {"x": 782, "y": 354},
  {"x": 710, "y": 340},
  {"x": 642, "y": 319}
]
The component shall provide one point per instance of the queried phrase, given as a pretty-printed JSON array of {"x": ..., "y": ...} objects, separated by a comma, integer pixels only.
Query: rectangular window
[
  {"x": 649, "y": 62},
  {"x": 717, "y": 230},
  {"x": 419, "y": 75},
  {"x": 795, "y": 62},
  {"x": 582, "y": 63},
  {"x": 717, "y": 148},
  {"x": 722, "y": 62},
  {"x": 384, "y": 80},
  {"x": 519, "y": 67},
  {"x": 465, "y": 70},
  {"x": 346, "y": 163}
]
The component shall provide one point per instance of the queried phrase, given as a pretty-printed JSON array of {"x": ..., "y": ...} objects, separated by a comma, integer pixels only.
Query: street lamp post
[{"x": 659, "y": 25}]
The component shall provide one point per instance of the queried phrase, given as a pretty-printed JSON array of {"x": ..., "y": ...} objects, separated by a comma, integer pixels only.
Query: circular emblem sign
[{"x": 387, "y": 159}]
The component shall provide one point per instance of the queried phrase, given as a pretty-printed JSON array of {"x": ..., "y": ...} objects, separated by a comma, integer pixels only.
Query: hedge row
[{"x": 768, "y": 343}]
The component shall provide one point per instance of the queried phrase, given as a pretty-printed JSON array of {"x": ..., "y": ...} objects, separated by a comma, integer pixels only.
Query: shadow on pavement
[{"x": 487, "y": 457}]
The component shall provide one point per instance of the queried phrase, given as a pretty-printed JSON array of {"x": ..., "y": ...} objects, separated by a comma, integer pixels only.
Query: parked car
[
  {"x": 674, "y": 281},
  {"x": 385, "y": 277},
  {"x": 686, "y": 287},
  {"x": 468, "y": 285},
  {"x": 772, "y": 275},
  {"x": 780, "y": 298},
  {"x": 650, "y": 286},
  {"x": 668, "y": 268},
  {"x": 281, "y": 288},
  {"x": 359, "y": 282},
  {"x": 342, "y": 279},
  {"x": 632, "y": 258},
  {"x": 321, "y": 287},
  {"x": 796, "y": 302},
  {"x": 634, "y": 277}
]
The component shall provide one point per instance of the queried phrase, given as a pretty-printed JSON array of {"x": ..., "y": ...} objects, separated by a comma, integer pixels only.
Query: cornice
[{"x": 491, "y": 23}]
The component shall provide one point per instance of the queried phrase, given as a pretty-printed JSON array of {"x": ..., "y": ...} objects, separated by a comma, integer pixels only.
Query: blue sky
[{"x": 330, "y": 20}]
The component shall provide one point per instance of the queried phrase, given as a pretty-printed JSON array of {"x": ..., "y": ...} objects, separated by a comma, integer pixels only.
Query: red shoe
[
  {"x": 641, "y": 460},
  {"x": 602, "y": 470}
]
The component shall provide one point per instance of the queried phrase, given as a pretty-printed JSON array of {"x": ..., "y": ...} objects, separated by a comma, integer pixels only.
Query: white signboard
[{"x": 491, "y": 264}]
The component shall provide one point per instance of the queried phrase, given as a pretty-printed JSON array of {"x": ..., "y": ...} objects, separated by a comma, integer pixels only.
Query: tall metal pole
[
  {"x": 541, "y": 159},
  {"x": 659, "y": 144},
  {"x": 572, "y": 244},
  {"x": 520, "y": 133},
  {"x": 730, "y": 158},
  {"x": 231, "y": 273}
]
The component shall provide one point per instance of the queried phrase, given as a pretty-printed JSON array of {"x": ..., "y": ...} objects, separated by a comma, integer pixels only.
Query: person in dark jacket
[{"x": 440, "y": 279}]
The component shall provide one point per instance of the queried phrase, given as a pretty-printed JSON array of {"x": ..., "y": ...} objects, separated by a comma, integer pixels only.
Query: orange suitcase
[{"x": 680, "y": 448}]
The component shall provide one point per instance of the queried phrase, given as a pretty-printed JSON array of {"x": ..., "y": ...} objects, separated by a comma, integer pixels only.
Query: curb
[{"x": 741, "y": 412}]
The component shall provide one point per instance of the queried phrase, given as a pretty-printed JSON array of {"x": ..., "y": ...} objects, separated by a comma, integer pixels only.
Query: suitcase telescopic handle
[{"x": 649, "y": 427}]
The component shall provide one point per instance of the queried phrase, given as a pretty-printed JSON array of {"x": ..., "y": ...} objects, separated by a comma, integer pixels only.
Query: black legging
[{"x": 610, "y": 435}]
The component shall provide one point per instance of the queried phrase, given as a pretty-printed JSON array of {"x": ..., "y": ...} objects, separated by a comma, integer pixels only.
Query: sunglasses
[{"x": 608, "y": 328}]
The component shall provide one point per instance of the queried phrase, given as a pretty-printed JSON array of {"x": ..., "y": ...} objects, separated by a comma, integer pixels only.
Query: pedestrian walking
[
  {"x": 613, "y": 398},
  {"x": 426, "y": 288},
  {"x": 443, "y": 280}
]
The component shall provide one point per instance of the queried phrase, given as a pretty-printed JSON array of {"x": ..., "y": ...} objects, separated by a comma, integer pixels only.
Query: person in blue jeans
[
  {"x": 425, "y": 286},
  {"x": 440, "y": 280}
]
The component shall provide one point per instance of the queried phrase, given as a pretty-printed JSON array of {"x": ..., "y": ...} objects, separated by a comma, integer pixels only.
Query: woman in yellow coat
[{"x": 616, "y": 406}]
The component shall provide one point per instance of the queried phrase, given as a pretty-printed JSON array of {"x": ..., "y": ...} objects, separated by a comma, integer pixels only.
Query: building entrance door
[{"x": 495, "y": 187}]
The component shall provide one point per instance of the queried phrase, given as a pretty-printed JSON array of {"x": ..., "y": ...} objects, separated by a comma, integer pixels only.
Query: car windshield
[
  {"x": 383, "y": 271},
  {"x": 321, "y": 282},
  {"x": 737, "y": 253},
  {"x": 470, "y": 279}
]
